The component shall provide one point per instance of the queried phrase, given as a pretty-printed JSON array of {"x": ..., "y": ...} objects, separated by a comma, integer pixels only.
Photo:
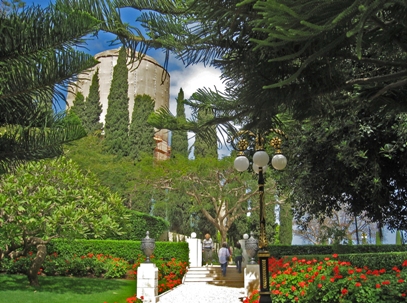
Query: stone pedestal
[
  {"x": 244, "y": 253},
  {"x": 195, "y": 252},
  {"x": 147, "y": 282},
  {"x": 251, "y": 278}
]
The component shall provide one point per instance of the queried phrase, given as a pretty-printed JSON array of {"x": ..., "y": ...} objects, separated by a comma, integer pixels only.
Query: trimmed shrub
[
  {"x": 128, "y": 250},
  {"x": 279, "y": 251}
]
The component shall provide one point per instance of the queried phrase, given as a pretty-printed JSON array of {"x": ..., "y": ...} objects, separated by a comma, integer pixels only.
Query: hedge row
[
  {"x": 126, "y": 249},
  {"x": 279, "y": 251}
]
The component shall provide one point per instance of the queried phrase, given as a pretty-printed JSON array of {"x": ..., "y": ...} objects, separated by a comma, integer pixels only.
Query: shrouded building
[{"x": 145, "y": 77}]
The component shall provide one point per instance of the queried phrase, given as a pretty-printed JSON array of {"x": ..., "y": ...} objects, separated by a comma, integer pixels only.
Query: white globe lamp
[
  {"x": 241, "y": 163},
  {"x": 261, "y": 158},
  {"x": 279, "y": 161}
]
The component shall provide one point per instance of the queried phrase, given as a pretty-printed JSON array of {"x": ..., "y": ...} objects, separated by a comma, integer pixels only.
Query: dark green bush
[
  {"x": 279, "y": 251},
  {"x": 140, "y": 223}
]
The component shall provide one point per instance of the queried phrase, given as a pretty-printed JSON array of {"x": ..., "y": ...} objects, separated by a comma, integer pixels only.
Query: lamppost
[{"x": 247, "y": 142}]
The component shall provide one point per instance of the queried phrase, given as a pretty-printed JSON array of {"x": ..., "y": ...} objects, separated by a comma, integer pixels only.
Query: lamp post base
[{"x": 263, "y": 256}]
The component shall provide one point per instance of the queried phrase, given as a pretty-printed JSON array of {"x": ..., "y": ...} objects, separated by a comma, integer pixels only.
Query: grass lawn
[{"x": 16, "y": 289}]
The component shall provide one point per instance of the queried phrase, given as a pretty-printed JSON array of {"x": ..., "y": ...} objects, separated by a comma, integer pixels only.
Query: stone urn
[
  {"x": 251, "y": 246},
  {"x": 147, "y": 246}
]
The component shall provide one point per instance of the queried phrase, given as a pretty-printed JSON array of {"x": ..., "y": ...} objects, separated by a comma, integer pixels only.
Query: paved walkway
[{"x": 200, "y": 292}]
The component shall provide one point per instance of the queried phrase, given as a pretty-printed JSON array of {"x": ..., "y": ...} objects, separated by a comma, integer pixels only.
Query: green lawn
[{"x": 16, "y": 289}]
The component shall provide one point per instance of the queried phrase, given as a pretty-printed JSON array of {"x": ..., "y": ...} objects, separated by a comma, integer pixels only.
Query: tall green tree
[
  {"x": 78, "y": 107},
  {"x": 179, "y": 139},
  {"x": 355, "y": 159},
  {"x": 117, "y": 116},
  {"x": 215, "y": 189},
  {"x": 93, "y": 107},
  {"x": 53, "y": 199},
  {"x": 141, "y": 135},
  {"x": 286, "y": 223}
]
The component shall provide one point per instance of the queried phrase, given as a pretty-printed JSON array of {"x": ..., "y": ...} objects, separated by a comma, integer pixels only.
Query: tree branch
[
  {"x": 388, "y": 87},
  {"x": 378, "y": 78}
]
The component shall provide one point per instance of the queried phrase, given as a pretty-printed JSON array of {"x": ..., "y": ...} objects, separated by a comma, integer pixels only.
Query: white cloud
[{"x": 190, "y": 79}]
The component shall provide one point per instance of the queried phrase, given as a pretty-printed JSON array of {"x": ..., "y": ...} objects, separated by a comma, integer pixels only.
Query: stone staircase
[{"x": 213, "y": 275}]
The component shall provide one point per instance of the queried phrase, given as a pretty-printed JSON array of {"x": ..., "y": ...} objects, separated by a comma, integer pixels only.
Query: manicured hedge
[
  {"x": 279, "y": 251},
  {"x": 126, "y": 249}
]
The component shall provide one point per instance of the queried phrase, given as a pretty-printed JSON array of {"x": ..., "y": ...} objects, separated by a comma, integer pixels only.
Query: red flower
[
  {"x": 335, "y": 255},
  {"x": 400, "y": 280},
  {"x": 358, "y": 284},
  {"x": 319, "y": 285},
  {"x": 404, "y": 263},
  {"x": 377, "y": 285},
  {"x": 386, "y": 282},
  {"x": 344, "y": 291}
]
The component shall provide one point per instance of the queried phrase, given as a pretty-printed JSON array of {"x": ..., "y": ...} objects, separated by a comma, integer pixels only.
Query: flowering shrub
[
  {"x": 253, "y": 298},
  {"x": 335, "y": 281}
]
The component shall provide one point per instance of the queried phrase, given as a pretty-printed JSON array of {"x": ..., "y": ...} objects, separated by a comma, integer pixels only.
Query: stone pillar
[
  {"x": 195, "y": 251},
  {"x": 147, "y": 282},
  {"x": 251, "y": 278}
]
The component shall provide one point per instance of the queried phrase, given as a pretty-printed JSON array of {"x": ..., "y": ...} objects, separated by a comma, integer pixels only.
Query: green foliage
[
  {"x": 278, "y": 251},
  {"x": 141, "y": 134},
  {"x": 37, "y": 59},
  {"x": 140, "y": 223},
  {"x": 53, "y": 198},
  {"x": 347, "y": 150},
  {"x": 286, "y": 223},
  {"x": 179, "y": 139},
  {"x": 117, "y": 116},
  {"x": 204, "y": 147},
  {"x": 93, "y": 107},
  {"x": 398, "y": 238},
  {"x": 78, "y": 107},
  {"x": 128, "y": 250},
  {"x": 117, "y": 174}
]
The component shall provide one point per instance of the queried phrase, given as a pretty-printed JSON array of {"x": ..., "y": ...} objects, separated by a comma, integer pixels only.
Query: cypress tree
[
  {"x": 78, "y": 107},
  {"x": 117, "y": 116},
  {"x": 205, "y": 146},
  {"x": 398, "y": 238},
  {"x": 141, "y": 135},
  {"x": 179, "y": 142},
  {"x": 286, "y": 223},
  {"x": 93, "y": 108}
]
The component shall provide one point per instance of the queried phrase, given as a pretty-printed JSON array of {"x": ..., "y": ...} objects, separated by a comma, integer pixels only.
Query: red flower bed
[{"x": 333, "y": 281}]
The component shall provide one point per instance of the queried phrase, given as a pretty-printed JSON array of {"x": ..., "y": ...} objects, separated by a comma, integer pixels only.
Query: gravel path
[{"x": 200, "y": 292}]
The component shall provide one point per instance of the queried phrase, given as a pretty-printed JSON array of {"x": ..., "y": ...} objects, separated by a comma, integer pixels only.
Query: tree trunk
[{"x": 32, "y": 273}]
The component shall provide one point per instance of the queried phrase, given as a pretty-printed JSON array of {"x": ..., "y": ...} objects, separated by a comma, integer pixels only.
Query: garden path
[{"x": 201, "y": 292}]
